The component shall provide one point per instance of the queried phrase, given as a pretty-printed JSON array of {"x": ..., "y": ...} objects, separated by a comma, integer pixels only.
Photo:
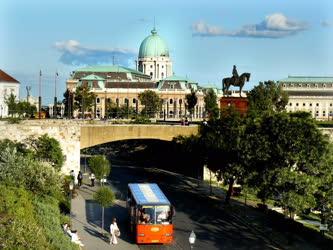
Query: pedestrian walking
[
  {"x": 72, "y": 174},
  {"x": 92, "y": 179},
  {"x": 79, "y": 178},
  {"x": 114, "y": 231}
]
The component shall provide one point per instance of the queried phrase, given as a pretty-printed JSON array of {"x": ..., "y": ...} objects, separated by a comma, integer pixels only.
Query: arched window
[
  {"x": 171, "y": 101},
  {"x": 162, "y": 74},
  {"x": 151, "y": 74},
  {"x": 98, "y": 100},
  {"x": 134, "y": 100}
]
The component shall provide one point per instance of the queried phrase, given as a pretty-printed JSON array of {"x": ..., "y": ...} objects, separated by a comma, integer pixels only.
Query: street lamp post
[
  {"x": 71, "y": 187},
  {"x": 191, "y": 239}
]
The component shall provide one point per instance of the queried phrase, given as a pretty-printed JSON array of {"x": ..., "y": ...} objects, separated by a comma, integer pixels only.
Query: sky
[{"x": 271, "y": 39}]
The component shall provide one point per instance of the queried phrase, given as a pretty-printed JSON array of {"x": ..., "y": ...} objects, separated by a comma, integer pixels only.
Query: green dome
[{"x": 153, "y": 46}]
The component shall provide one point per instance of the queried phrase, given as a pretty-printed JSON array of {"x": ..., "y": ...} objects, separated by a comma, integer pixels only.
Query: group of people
[
  {"x": 144, "y": 218},
  {"x": 80, "y": 178}
]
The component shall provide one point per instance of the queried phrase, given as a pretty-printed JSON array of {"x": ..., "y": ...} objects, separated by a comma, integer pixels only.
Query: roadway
[{"x": 214, "y": 227}]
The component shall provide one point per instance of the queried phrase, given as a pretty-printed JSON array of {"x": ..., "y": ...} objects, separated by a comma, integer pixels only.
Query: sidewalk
[{"x": 86, "y": 217}]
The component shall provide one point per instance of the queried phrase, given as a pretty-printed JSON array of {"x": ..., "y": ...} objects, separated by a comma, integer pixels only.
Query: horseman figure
[
  {"x": 234, "y": 74},
  {"x": 235, "y": 80}
]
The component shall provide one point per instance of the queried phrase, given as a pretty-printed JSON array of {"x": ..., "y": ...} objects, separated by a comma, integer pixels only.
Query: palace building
[
  {"x": 122, "y": 85},
  {"x": 311, "y": 94}
]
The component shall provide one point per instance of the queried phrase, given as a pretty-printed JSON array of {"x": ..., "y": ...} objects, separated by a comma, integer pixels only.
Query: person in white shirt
[{"x": 114, "y": 231}]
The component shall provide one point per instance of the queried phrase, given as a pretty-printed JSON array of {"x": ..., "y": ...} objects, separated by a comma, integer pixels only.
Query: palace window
[
  {"x": 324, "y": 85},
  {"x": 290, "y": 104},
  {"x": 310, "y": 104},
  {"x": 284, "y": 85},
  {"x": 151, "y": 66},
  {"x": 151, "y": 74},
  {"x": 171, "y": 101},
  {"x": 303, "y": 104},
  {"x": 316, "y": 85},
  {"x": 308, "y": 85},
  {"x": 297, "y": 104},
  {"x": 324, "y": 113},
  {"x": 299, "y": 85},
  {"x": 134, "y": 100},
  {"x": 162, "y": 74},
  {"x": 162, "y": 66},
  {"x": 317, "y": 113},
  {"x": 98, "y": 100},
  {"x": 317, "y": 104},
  {"x": 331, "y": 105},
  {"x": 109, "y": 100},
  {"x": 331, "y": 113}
]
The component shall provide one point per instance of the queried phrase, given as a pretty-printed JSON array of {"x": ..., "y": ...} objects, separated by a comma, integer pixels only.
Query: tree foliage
[
  {"x": 105, "y": 197},
  {"x": 100, "y": 166},
  {"x": 84, "y": 99},
  {"x": 222, "y": 140},
  {"x": 267, "y": 97},
  {"x": 29, "y": 205},
  {"x": 20, "y": 108},
  {"x": 11, "y": 104},
  {"x": 151, "y": 101},
  {"x": 68, "y": 101},
  {"x": 191, "y": 101},
  {"x": 211, "y": 106},
  {"x": 48, "y": 149},
  {"x": 23, "y": 171}
]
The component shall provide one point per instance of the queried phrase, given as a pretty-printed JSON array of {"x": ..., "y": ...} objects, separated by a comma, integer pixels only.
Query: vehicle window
[
  {"x": 147, "y": 215},
  {"x": 163, "y": 215}
]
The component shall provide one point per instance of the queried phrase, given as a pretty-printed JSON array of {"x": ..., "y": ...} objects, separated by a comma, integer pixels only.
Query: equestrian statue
[{"x": 235, "y": 80}]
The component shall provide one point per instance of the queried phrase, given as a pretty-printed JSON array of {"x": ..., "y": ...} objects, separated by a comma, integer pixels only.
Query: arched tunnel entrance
[{"x": 146, "y": 153}]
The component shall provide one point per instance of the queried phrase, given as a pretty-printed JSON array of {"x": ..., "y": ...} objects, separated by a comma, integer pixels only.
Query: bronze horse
[{"x": 240, "y": 81}]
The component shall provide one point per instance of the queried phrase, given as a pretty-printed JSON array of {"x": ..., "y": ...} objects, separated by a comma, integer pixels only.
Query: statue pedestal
[{"x": 241, "y": 104}]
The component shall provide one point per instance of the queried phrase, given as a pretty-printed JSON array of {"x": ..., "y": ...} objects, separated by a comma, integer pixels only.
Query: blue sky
[{"x": 269, "y": 38}]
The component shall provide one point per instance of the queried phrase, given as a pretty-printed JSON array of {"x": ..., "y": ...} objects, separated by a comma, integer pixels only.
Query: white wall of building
[{"x": 6, "y": 88}]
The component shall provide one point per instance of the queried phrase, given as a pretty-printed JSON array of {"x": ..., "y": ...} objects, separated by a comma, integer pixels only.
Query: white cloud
[
  {"x": 326, "y": 24},
  {"x": 274, "y": 26},
  {"x": 75, "y": 54}
]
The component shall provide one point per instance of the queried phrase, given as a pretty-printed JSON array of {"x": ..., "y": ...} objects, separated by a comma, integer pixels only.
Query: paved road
[{"x": 215, "y": 227}]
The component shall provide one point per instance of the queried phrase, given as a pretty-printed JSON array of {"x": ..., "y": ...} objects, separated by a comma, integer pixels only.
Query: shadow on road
[{"x": 118, "y": 211}]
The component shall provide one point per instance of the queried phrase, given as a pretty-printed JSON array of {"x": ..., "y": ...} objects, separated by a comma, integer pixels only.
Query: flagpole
[
  {"x": 40, "y": 95},
  {"x": 55, "y": 95}
]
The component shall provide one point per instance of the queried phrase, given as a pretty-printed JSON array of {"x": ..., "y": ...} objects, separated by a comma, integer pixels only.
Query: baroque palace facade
[
  {"x": 310, "y": 94},
  {"x": 122, "y": 85}
]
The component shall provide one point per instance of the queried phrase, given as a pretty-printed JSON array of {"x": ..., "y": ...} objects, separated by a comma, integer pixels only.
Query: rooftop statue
[{"x": 235, "y": 80}]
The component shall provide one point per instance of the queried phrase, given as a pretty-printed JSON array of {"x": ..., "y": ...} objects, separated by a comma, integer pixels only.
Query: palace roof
[{"x": 307, "y": 79}]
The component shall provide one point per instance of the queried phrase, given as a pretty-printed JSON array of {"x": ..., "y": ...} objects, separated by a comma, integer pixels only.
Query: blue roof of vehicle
[{"x": 148, "y": 194}]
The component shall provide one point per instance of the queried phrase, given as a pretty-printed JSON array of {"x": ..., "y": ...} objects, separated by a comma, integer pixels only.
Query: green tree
[
  {"x": 282, "y": 157},
  {"x": 84, "y": 99},
  {"x": 222, "y": 143},
  {"x": 151, "y": 101},
  {"x": 191, "y": 101},
  {"x": 267, "y": 97},
  {"x": 324, "y": 192},
  {"x": 211, "y": 106},
  {"x": 68, "y": 101},
  {"x": 25, "y": 109},
  {"x": 11, "y": 104},
  {"x": 48, "y": 149},
  {"x": 24, "y": 171},
  {"x": 100, "y": 166},
  {"x": 105, "y": 198}
]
